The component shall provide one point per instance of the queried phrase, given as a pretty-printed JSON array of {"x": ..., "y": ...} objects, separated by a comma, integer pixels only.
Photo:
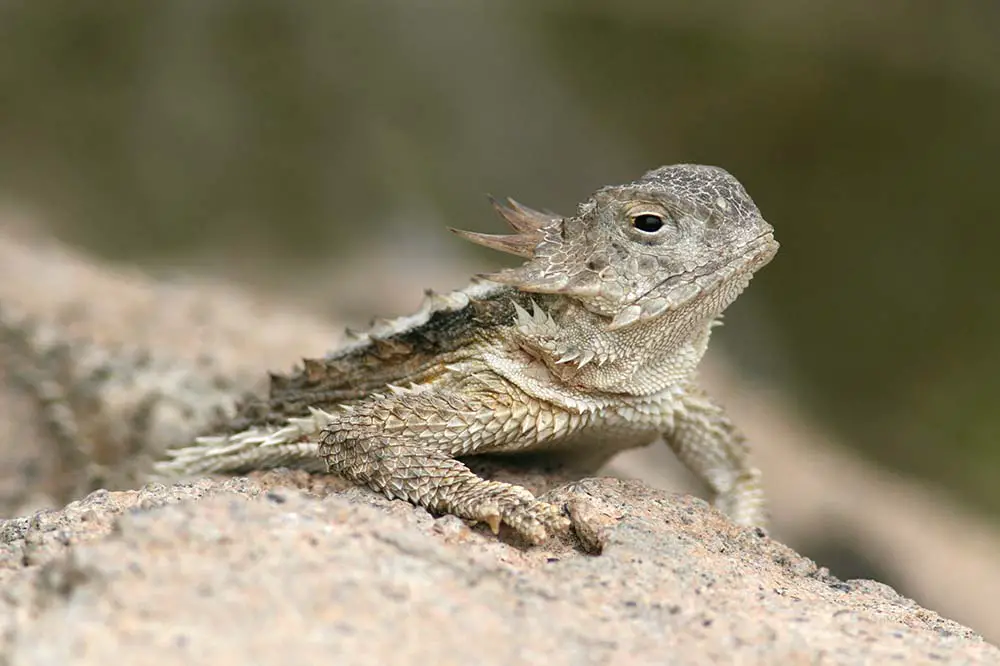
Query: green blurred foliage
[{"x": 867, "y": 132}]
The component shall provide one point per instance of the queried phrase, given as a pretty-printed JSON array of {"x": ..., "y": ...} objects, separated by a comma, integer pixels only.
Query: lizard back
[{"x": 409, "y": 349}]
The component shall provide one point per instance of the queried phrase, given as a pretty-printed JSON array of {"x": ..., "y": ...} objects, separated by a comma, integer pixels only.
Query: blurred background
[{"x": 321, "y": 148}]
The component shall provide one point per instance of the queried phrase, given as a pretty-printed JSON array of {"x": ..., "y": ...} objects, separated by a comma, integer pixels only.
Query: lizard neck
[{"x": 643, "y": 359}]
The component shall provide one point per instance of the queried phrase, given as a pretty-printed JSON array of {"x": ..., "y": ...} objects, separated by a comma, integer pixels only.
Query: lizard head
[{"x": 679, "y": 236}]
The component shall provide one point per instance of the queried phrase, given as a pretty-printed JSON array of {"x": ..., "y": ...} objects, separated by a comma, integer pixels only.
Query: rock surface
[
  {"x": 285, "y": 567},
  {"x": 222, "y": 571}
]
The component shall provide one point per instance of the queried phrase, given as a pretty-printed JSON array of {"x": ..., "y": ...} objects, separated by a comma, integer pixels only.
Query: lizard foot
[{"x": 517, "y": 508}]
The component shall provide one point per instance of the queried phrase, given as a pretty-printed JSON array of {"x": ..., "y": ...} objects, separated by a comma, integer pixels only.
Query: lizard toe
[{"x": 535, "y": 520}]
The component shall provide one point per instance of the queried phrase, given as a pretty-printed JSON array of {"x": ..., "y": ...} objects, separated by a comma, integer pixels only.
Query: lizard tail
[{"x": 292, "y": 445}]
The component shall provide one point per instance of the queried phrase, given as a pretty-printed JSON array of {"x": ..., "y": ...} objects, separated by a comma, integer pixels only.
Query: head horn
[{"x": 527, "y": 222}]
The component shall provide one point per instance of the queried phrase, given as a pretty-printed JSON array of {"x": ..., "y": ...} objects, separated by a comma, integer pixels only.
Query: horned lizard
[{"x": 588, "y": 348}]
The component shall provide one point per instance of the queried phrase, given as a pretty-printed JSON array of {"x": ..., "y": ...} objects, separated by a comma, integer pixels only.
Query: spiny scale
[
  {"x": 526, "y": 222},
  {"x": 398, "y": 351}
]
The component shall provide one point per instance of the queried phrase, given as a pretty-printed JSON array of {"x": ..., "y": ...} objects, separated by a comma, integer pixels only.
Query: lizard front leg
[
  {"x": 708, "y": 443},
  {"x": 403, "y": 445}
]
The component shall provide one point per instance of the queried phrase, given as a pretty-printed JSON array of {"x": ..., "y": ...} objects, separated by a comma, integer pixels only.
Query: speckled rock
[{"x": 290, "y": 568}]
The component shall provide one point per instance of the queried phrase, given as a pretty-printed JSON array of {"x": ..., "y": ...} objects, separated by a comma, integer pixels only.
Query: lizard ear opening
[{"x": 526, "y": 222}]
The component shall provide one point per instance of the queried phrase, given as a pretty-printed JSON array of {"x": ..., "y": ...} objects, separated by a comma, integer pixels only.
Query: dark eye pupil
[{"x": 648, "y": 223}]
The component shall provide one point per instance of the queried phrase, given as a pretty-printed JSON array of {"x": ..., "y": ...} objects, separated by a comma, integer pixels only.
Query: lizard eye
[{"x": 648, "y": 223}]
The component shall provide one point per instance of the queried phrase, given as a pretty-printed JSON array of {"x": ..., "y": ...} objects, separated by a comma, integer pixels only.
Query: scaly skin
[{"x": 589, "y": 348}]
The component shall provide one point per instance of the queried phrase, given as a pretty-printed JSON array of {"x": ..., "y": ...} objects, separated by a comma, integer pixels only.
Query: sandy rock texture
[
  {"x": 825, "y": 500},
  {"x": 277, "y": 569},
  {"x": 187, "y": 319},
  {"x": 51, "y": 606}
]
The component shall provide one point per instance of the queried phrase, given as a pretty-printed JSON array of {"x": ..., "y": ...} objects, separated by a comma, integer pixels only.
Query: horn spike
[
  {"x": 527, "y": 279},
  {"x": 522, "y": 219},
  {"x": 522, "y": 245}
]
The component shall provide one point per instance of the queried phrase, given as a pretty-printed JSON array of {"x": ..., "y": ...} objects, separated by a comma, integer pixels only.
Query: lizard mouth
[{"x": 680, "y": 290}]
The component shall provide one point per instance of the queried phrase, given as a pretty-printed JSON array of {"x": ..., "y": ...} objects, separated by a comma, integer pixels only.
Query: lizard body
[{"x": 590, "y": 347}]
